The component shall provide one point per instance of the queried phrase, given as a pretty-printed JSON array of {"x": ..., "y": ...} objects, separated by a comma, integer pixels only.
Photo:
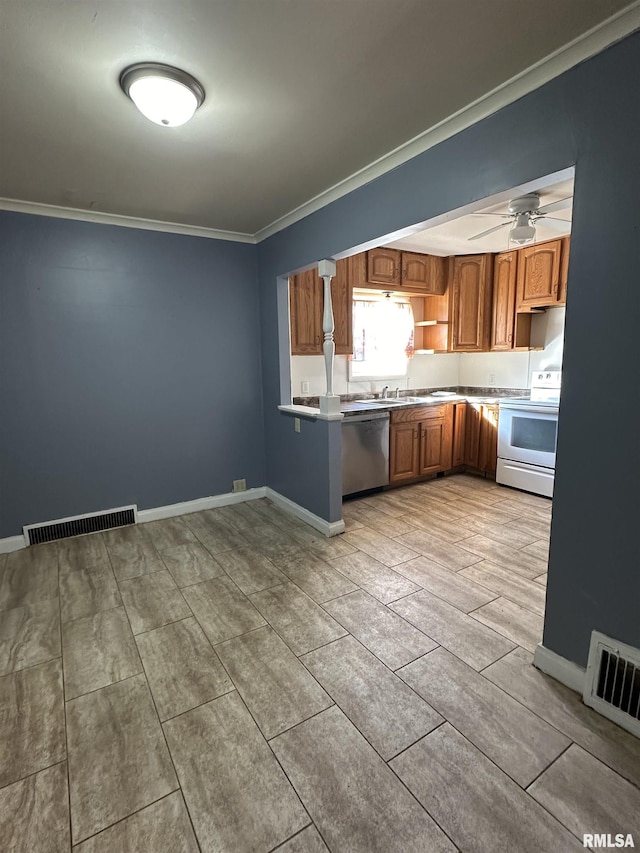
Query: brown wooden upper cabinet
[
  {"x": 470, "y": 277},
  {"x": 423, "y": 274},
  {"x": 539, "y": 275},
  {"x": 505, "y": 267},
  {"x": 383, "y": 267},
  {"x": 564, "y": 270},
  {"x": 408, "y": 271},
  {"x": 306, "y": 305}
]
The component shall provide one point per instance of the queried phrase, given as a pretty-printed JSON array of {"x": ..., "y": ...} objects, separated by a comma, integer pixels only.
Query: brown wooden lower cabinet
[
  {"x": 404, "y": 456},
  {"x": 425, "y": 440},
  {"x": 421, "y": 442},
  {"x": 481, "y": 438},
  {"x": 488, "y": 451},
  {"x": 435, "y": 445},
  {"x": 472, "y": 435},
  {"x": 459, "y": 422}
]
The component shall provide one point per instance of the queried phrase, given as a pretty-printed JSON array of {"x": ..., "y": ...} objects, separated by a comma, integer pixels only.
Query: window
[{"x": 382, "y": 338}]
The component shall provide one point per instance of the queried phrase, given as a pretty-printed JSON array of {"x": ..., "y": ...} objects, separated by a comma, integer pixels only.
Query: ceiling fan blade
[
  {"x": 555, "y": 224},
  {"x": 503, "y": 215},
  {"x": 563, "y": 204},
  {"x": 490, "y": 231}
]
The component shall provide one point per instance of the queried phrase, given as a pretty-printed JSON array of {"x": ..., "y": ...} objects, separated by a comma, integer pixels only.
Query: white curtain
[{"x": 382, "y": 338}]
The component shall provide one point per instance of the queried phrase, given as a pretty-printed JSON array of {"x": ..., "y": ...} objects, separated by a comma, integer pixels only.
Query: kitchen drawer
[{"x": 417, "y": 413}]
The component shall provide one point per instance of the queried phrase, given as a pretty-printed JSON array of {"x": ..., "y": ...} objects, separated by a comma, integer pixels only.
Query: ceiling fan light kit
[
  {"x": 524, "y": 212},
  {"x": 523, "y": 231},
  {"x": 165, "y": 95}
]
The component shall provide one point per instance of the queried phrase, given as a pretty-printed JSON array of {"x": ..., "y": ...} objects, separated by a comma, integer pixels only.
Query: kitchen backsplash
[{"x": 491, "y": 370}]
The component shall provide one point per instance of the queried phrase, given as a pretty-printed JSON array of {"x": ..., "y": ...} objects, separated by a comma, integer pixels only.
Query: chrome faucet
[
  {"x": 397, "y": 392},
  {"x": 385, "y": 393}
]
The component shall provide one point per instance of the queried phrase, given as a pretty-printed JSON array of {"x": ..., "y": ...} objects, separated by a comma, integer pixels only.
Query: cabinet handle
[{"x": 510, "y": 338}]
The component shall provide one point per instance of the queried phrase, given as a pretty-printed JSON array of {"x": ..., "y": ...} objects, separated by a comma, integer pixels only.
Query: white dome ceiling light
[{"x": 165, "y": 95}]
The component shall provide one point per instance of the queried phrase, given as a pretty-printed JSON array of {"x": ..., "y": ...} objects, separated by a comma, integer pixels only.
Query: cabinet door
[
  {"x": 306, "y": 301},
  {"x": 472, "y": 435},
  {"x": 564, "y": 270},
  {"x": 459, "y": 422},
  {"x": 404, "y": 456},
  {"x": 471, "y": 311},
  {"x": 342, "y": 299},
  {"x": 539, "y": 275},
  {"x": 423, "y": 273},
  {"x": 504, "y": 301},
  {"x": 432, "y": 445},
  {"x": 488, "y": 453},
  {"x": 305, "y": 305},
  {"x": 383, "y": 266}
]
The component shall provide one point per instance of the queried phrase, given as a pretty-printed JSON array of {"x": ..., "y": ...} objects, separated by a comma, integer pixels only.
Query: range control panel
[{"x": 546, "y": 378}]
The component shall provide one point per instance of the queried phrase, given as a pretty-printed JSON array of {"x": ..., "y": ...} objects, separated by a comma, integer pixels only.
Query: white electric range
[{"x": 527, "y": 435}]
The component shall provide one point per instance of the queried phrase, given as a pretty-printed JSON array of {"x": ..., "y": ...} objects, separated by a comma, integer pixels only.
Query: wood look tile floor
[{"x": 233, "y": 681}]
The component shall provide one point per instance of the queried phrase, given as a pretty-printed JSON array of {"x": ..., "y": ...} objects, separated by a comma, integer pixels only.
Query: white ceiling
[
  {"x": 300, "y": 94},
  {"x": 452, "y": 237}
]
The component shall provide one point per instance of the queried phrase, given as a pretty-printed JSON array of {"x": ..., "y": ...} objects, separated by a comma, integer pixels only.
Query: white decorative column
[{"x": 329, "y": 402}]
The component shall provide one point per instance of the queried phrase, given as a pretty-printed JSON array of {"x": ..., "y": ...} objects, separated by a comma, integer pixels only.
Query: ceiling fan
[{"x": 523, "y": 214}]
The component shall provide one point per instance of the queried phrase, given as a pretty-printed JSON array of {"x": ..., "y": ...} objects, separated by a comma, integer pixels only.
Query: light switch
[{"x": 296, "y": 424}]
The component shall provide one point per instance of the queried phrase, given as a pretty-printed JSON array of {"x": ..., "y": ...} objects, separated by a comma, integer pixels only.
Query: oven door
[{"x": 528, "y": 434}]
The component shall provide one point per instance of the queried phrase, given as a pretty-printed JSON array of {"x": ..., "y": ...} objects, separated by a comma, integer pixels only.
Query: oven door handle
[{"x": 552, "y": 411}]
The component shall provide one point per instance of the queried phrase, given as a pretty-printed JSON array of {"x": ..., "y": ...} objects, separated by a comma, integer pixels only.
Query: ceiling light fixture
[
  {"x": 165, "y": 95},
  {"x": 523, "y": 231}
]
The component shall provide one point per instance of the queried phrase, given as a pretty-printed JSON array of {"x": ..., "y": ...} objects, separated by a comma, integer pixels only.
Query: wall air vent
[
  {"x": 612, "y": 682},
  {"x": 79, "y": 524}
]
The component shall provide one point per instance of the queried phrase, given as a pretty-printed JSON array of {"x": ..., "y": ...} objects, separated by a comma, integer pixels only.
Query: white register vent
[
  {"x": 91, "y": 522},
  {"x": 612, "y": 683}
]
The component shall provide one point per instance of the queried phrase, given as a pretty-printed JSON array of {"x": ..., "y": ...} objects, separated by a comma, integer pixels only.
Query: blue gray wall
[
  {"x": 587, "y": 117},
  {"x": 129, "y": 368}
]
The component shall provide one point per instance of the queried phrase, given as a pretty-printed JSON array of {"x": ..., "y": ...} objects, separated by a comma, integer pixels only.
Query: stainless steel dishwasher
[{"x": 365, "y": 452}]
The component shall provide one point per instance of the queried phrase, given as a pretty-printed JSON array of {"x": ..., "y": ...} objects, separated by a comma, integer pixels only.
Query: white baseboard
[
  {"x": 563, "y": 670},
  {"x": 12, "y": 543},
  {"x": 329, "y": 528},
  {"x": 187, "y": 507}
]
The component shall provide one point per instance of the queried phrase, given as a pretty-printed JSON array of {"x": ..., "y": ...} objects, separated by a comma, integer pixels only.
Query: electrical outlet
[
  {"x": 492, "y": 379},
  {"x": 296, "y": 424},
  {"x": 304, "y": 386},
  {"x": 239, "y": 485}
]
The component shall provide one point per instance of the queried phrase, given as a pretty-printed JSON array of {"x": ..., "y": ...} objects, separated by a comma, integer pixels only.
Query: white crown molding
[
  {"x": 101, "y": 218},
  {"x": 563, "y": 670},
  {"x": 584, "y": 47},
  {"x": 581, "y": 48}
]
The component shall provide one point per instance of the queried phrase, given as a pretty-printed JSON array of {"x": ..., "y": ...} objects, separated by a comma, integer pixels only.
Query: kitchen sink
[{"x": 399, "y": 401}]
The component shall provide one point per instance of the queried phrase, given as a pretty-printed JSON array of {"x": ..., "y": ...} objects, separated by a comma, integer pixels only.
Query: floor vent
[
  {"x": 612, "y": 683},
  {"x": 91, "y": 523}
]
